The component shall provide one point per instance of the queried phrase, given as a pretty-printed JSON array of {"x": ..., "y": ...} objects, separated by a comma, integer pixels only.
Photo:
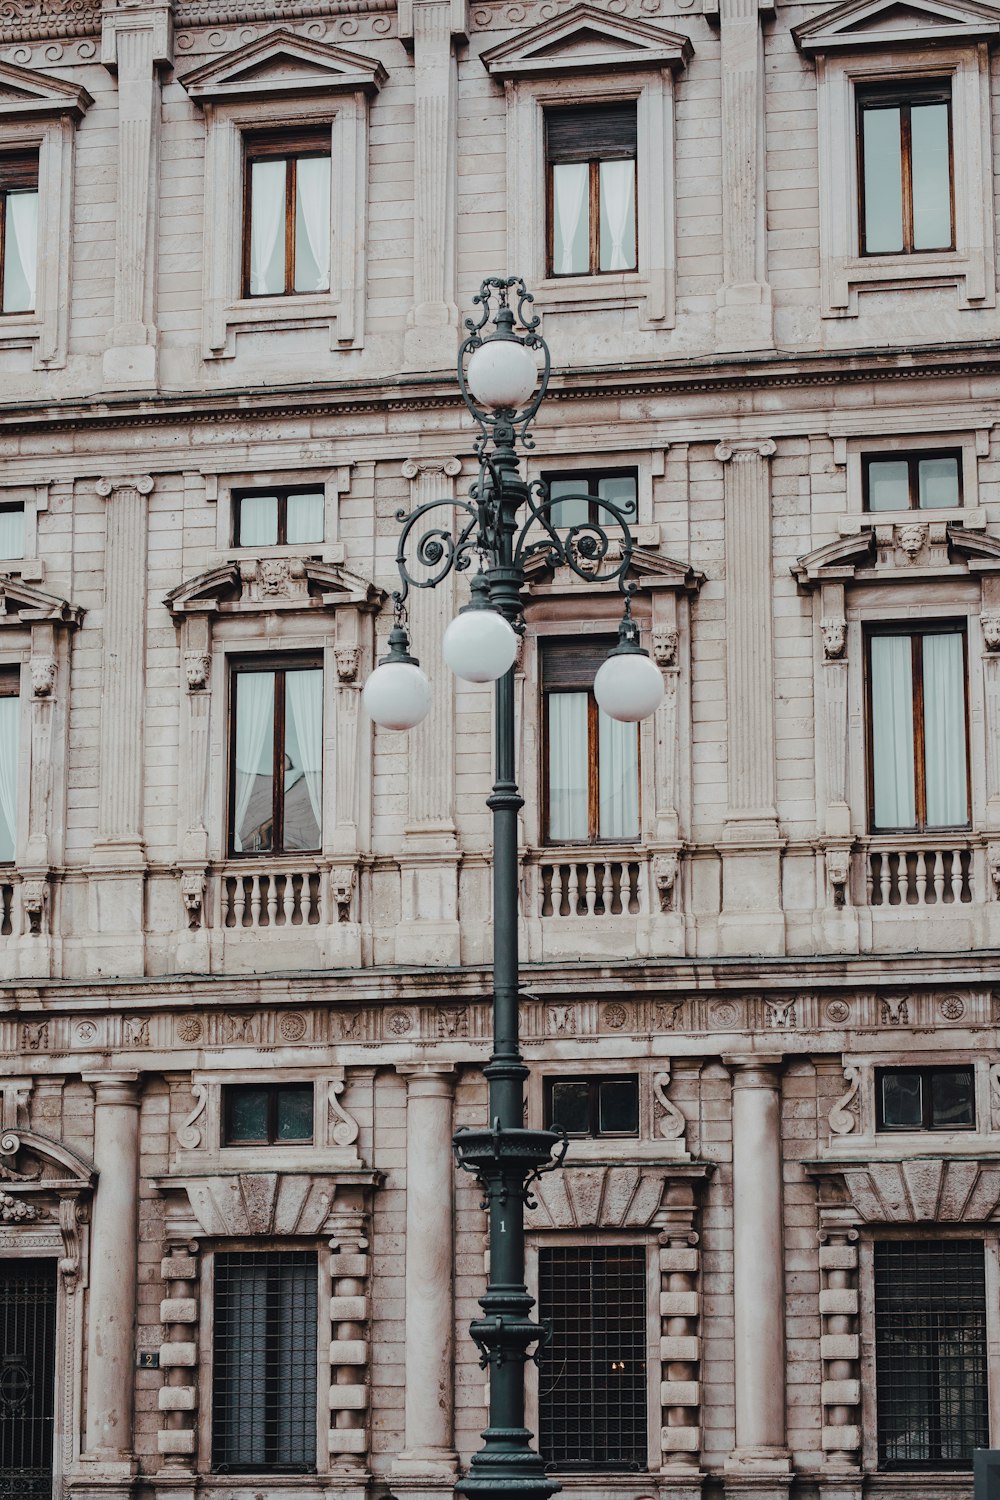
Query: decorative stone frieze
[{"x": 913, "y": 1190}]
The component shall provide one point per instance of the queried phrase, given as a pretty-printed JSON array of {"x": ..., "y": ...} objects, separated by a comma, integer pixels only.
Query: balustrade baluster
[
  {"x": 591, "y": 888},
  {"x": 239, "y": 901},
  {"x": 921, "y": 877},
  {"x": 956, "y": 875},
  {"x": 869, "y": 878},
  {"x": 573, "y": 890},
  {"x": 272, "y": 899},
  {"x": 288, "y": 903},
  {"x": 255, "y": 899},
  {"x": 938, "y": 857},
  {"x": 885, "y": 878}
]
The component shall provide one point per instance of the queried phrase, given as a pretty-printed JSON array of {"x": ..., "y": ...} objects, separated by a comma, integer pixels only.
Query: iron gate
[{"x": 27, "y": 1378}]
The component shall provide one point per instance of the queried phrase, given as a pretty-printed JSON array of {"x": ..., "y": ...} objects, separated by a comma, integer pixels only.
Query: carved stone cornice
[
  {"x": 914, "y": 1190},
  {"x": 252, "y": 1203},
  {"x": 622, "y": 1196},
  {"x": 20, "y": 603}
]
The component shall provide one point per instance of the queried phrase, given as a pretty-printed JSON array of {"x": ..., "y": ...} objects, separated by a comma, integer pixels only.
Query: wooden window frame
[
  {"x": 257, "y": 664},
  {"x": 282, "y": 495},
  {"x": 18, "y": 173},
  {"x": 10, "y": 687},
  {"x": 18, "y": 507},
  {"x": 593, "y": 1084},
  {"x": 925, "y": 1075},
  {"x": 588, "y": 480},
  {"x": 913, "y": 458},
  {"x": 890, "y": 96},
  {"x": 916, "y": 633},
  {"x": 290, "y": 148},
  {"x": 593, "y": 208},
  {"x": 272, "y": 1091},
  {"x": 593, "y": 761}
]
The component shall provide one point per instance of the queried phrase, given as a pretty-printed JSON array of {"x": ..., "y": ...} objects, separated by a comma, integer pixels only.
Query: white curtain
[
  {"x": 21, "y": 260},
  {"x": 944, "y": 731},
  {"x": 304, "y": 703},
  {"x": 305, "y": 518},
  {"x": 617, "y": 215},
  {"x": 9, "y": 724},
  {"x": 618, "y": 760},
  {"x": 568, "y": 766},
  {"x": 267, "y": 227},
  {"x": 892, "y": 731},
  {"x": 570, "y": 185},
  {"x": 12, "y": 533},
  {"x": 254, "y": 729},
  {"x": 258, "y": 520},
  {"x": 312, "y": 239}
]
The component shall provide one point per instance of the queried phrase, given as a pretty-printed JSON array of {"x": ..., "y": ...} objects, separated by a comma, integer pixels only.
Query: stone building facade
[{"x": 244, "y": 961}]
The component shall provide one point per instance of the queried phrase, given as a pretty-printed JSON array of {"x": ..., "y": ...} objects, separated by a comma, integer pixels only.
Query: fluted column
[
  {"x": 758, "y": 1269},
  {"x": 111, "y": 1301},
  {"x": 743, "y": 319},
  {"x": 428, "y": 1452}
]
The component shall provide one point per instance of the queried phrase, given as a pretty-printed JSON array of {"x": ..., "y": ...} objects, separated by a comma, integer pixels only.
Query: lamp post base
[{"x": 507, "y": 1466}]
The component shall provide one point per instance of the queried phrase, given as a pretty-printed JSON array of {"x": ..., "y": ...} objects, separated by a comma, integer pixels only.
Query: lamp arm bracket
[
  {"x": 598, "y": 550},
  {"x": 439, "y": 549}
]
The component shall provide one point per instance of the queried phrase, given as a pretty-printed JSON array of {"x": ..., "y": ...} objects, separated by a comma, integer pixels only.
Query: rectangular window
[
  {"x": 593, "y": 1106},
  {"x": 264, "y": 1363},
  {"x": 905, "y": 169},
  {"x": 27, "y": 1377},
  {"x": 583, "y": 489},
  {"x": 276, "y": 759},
  {"x": 925, "y": 1099},
  {"x": 286, "y": 227},
  {"x": 269, "y": 518},
  {"x": 591, "y": 761},
  {"x": 266, "y": 1114},
  {"x": 591, "y": 159},
  {"x": 592, "y": 1377},
  {"x": 18, "y": 231},
  {"x": 912, "y": 481},
  {"x": 918, "y": 745},
  {"x": 11, "y": 531},
  {"x": 930, "y": 1353},
  {"x": 10, "y": 730}
]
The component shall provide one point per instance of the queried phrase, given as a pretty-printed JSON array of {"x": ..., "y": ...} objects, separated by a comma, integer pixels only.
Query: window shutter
[
  {"x": 574, "y": 664},
  {"x": 598, "y": 132}
]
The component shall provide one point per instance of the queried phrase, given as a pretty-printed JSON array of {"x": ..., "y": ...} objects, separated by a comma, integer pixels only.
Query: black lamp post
[{"x": 504, "y": 524}]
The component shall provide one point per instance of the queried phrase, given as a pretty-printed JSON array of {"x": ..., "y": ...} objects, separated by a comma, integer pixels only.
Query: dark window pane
[
  {"x": 246, "y": 1114},
  {"x": 295, "y": 1112},
  {"x": 931, "y": 176},
  {"x": 571, "y": 1107},
  {"x": 937, "y": 481},
  {"x": 621, "y": 490},
  {"x": 27, "y": 1377},
  {"x": 883, "y": 184},
  {"x": 569, "y": 512},
  {"x": 888, "y": 484},
  {"x": 253, "y": 791},
  {"x": 953, "y": 1102},
  {"x": 902, "y": 1095},
  {"x": 618, "y": 1107}
]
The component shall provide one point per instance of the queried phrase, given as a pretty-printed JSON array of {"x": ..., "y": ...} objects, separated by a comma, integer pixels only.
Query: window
[
  {"x": 278, "y": 518},
  {"x": 619, "y": 486},
  {"x": 912, "y": 481},
  {"x": 593, "y": 1106},
  {"x": 11, "y": 530},
  {"x": 10, "y": 725},
  {"x": 918, "y": 761},
  {"x": 925, "y": 1099},
  {"x": 267, "y": 1114},
  {"x": 28, "y": 1363},
  {"x": 591, "y": 761},
  {"x": 591, "y": 158},
  {"x": 276, "y": 750},
  {"x": 286, "y": 235},
  {"x": 905, "y": 169},
  {"x": 18, "y": 231},
  {"x": 592, "y": 1378},
  {"x": 930, "y": 1353},
  {"x": 264, "y": 1363}
]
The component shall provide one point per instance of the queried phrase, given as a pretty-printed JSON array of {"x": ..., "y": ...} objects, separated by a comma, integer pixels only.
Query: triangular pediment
[
  {"x": 586, "y": 40},
  {"x": 271, "y": 583},
  {"x": 25, "y": 94},
  {"x": 892, "y": 23},
  {"x": 281, "y": 64},
  {"x": 21, "y": 604}
]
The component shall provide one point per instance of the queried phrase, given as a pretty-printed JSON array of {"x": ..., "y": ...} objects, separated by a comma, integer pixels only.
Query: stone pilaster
[
  {"x": 135, "y": 42},
  {"x": 111, "y": 1299},
  {"x": 431, "y": 338},
  {"x": 840, "y": 1350},
  {"x": 760, "y": 1460},
  {"x": 751, "y": 920},
  {"x": 177, "y": 1438},
  {"x": 743, "y": 317},
  {"x": 350, "y": 1351},
  {"x": 428, "y": 1463}
]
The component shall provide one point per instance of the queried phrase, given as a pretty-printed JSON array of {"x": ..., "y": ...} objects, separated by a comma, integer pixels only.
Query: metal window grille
[
  {"x": 930, "y": 1353},
  {"x": 264, "y": 1369},
  {"x": 27, "y": 1378},
  {"x": 592, "y": 1382}
]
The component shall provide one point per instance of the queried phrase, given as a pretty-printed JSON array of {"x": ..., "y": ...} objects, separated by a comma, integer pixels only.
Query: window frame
[
  {"x": 593, "y": 1082},
  {"x": 925, "y": 1074},
  {"x": 27, "y": 164},
  {"x": 913, "y": 458},
  {"x": 588, "y": 480},
  {"x": 887, "y": 95},
  {"x": 916, "y": 630},
  {"x": 278, "y": 665},
  {"x": 10, "y": 687},
  {"x": 593, "y": 198},
  {"x": 10, "y": 507},
  {"x": 281, "y": 494},
  {"x": 290, "y": 146},
  {"x": 272, "y": 1091}
]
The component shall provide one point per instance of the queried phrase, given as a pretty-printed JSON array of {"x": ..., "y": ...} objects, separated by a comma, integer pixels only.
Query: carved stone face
[
  {"x": 664, "y": 645},
  {"x": 273, "y": 576},
  {"x": 43, "y": 675},
  {"x": 834, "y": 638},
  {"x": 991, "y": 631},
  {"x": 196, "y": 668},
  {"x": 911, "y": 538}
]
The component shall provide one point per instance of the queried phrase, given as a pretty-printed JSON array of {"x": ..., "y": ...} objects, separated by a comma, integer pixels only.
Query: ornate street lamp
[{"x": 504, "y": 525}]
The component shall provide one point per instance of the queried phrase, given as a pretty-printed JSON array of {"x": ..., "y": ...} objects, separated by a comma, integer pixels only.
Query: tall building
[{"x": 245, "y": 939}]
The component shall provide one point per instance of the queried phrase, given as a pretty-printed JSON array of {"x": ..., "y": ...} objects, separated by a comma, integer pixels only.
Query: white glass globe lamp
[
  {"x": 479, "y": 645},
  {"x": 628, "y": 685},
  {"x": 397, "y": 695},
  {"x": 502, "y": 374}
]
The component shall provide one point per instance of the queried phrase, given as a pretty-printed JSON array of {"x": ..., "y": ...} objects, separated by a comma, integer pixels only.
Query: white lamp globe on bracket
[
  {"x": 502, "y": 373},
  {"x": 397, "y": 695},
  {"x": 629, "y": 685},
  {"x": 479, "y": 645}
]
